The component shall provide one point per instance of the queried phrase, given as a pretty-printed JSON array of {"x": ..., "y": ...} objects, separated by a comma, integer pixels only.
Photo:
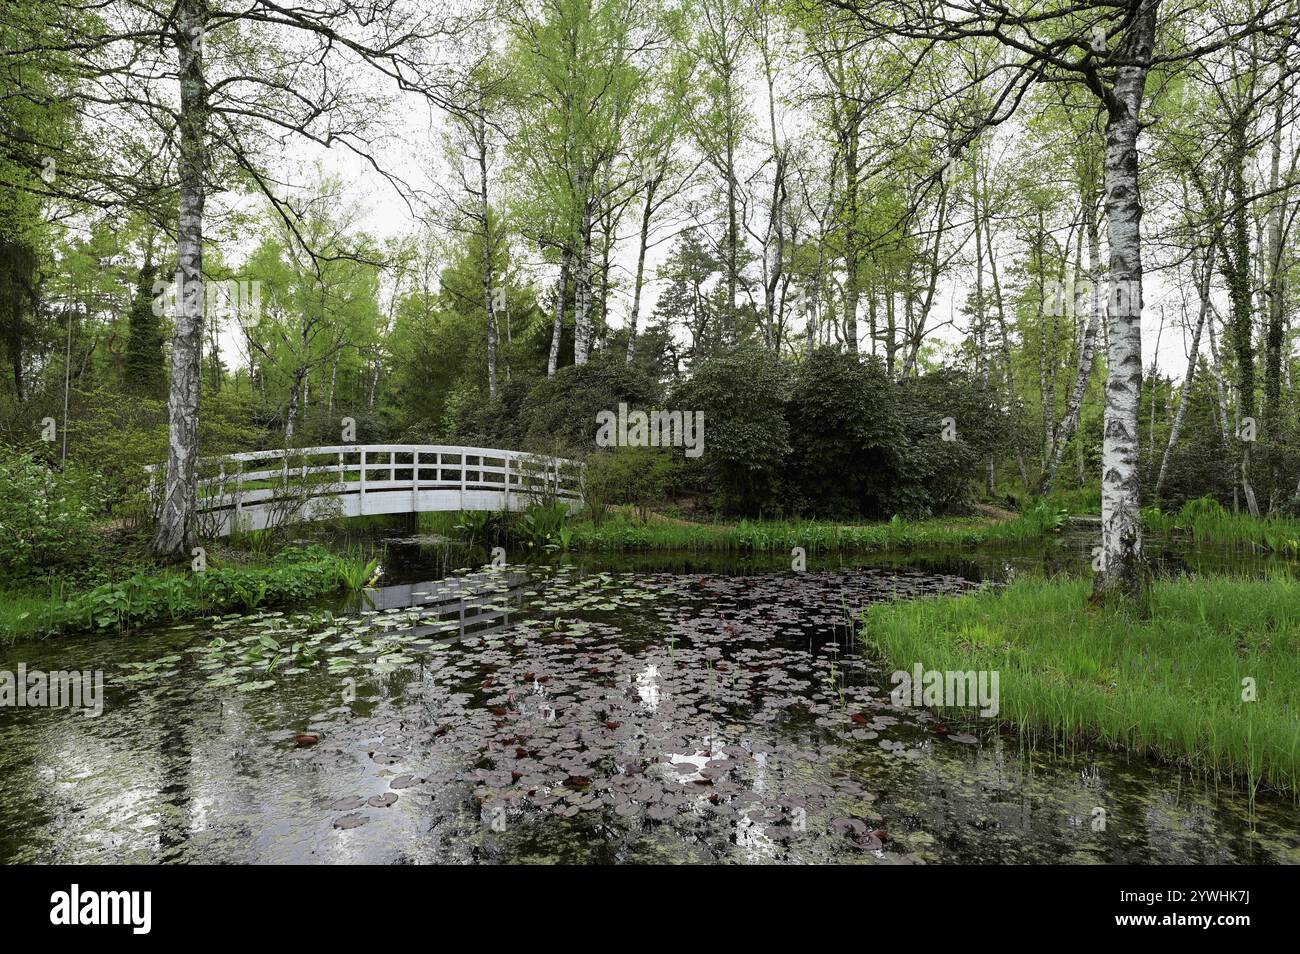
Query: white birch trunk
[
  {"x": 175, "y": 533},
  {"x": 557, "y": 330},
  {"x": 1121, "y": 517}
]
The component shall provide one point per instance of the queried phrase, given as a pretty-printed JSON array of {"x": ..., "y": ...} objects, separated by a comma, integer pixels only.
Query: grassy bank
[
  {"x": 1167, "y": 681},
  {"x": 151, "y": 595},
  {"x": 617, "y": 533}
]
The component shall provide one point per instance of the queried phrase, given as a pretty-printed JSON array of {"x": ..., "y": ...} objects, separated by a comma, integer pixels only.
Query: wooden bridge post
[
  {"x": 415, "y": 481},
  {"x": 361, "y": 490},
  {"x": 507, "y": 461},
  {"x": 239, "y": 495}
]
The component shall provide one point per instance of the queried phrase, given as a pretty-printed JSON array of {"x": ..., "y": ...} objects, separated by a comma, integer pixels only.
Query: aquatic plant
[
  {"x": 542, "y": 525},
  {"x": 1210, "y": 524},
  {"x": 354, "y": 574},
  {"x": 477, "y": 525}
]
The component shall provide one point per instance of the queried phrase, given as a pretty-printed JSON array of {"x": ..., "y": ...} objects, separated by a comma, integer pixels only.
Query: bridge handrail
[
  {"x": 282, "y": 452},
  {"x": 231, "y": 494}
]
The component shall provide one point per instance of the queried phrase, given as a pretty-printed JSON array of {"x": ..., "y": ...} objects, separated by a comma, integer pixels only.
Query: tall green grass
[
  {"x": 1166, "y": 678},
  {"x": 772, "y": 536},
  {"x": 1085, "y": 499},
  {"x": 444, "y": 522},
  {"x": 293, "y": 575},
  {"x": 1210, "y": 524}
]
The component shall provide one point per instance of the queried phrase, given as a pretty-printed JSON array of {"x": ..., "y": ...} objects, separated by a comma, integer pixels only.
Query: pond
[{"x": 674, "y": 708}]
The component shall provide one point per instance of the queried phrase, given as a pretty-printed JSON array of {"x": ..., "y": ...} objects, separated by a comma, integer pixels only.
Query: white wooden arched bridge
[{"x": 260, "y": 489}]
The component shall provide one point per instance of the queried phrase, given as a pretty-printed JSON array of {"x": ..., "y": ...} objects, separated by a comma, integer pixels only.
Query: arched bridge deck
[{"x": 260, "y": 489}]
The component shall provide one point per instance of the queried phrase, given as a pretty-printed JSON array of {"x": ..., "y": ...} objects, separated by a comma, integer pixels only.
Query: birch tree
[
  {"x": 211, "y": 86},
  {"x": 1111, "y": 49}
]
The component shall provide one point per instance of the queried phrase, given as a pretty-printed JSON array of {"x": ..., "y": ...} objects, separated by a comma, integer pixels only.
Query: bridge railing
[{"x": 257, "y": 489}]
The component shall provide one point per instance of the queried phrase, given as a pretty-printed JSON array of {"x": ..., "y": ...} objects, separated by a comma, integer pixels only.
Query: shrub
[
  {"x": 951, "y": 422},
  {"x": 47, "y": 517},
  {"x": 562, "y": 409},
  {"x": 845, "y": 436},
  {"x": 746, "y": 437},
  {"x": 477, "y": 422},
  {"x": 1201, "y": 464},
  {"x": 542, "y": 525},
  {"x": 639, "y": 477}
]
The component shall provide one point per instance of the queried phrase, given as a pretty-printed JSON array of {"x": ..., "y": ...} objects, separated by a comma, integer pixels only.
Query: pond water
[{"x": 667, "y": 708}]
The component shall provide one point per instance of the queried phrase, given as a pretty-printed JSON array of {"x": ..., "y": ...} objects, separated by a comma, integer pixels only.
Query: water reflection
[{"x": 600, "y": 710}]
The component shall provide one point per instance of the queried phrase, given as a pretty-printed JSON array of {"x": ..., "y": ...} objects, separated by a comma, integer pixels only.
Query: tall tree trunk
[
  {"x": 582, "y": 296},
  {"x": 1236, "y": 269},
  {"x": 729, "y": 330},
  {"x": 981, "y": 321},
  {"x": 1121, "y": 492},
  {"x": 291, "y": 415},
  {"x": 934, "y": 266},
  {"x": 1203, "y": 291},
  {"x": 1274, "y": 292},
  {"x": 1004, "y": 334},
  {"x": 639, "y": 281},
  {"x": 1221, "y": 406},
  {"x": 175, "y": 532},
  {"x": 1041, "y": 320},
  {"x": 334, "y": 380},
  {"x": 485, "y": 236},
  {"x": 851, "y": 256},
  {"x": 561, "y": 296},
  {"x": 891, "y": 328},
  {"x": 1087, "y": 351}
]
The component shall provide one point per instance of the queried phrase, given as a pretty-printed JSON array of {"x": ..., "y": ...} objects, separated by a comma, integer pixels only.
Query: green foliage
[
  {"x": 1201, "y": 509},
  {"x": 1082, "y": 500},
  {"x": 1200, "y": 463},
  {"x": 543, "y": 526},
  {"x": 562, "y": 409},
  {"x": 779, "y": 536},
  {"x": 638, "y": 477},
  {"x": 950, "y": 423},
  {"x": 119, "y": 435},
  {"x": 1212, "y": 525},
  {"x": 47, "y": 516},
  {"x": 845, "y": 435},
  {"x": 298, "y": 574},
  {"x": 1043, "y": 518},
  {"x": 746, "y": 436},
  {"x": 144, "y": 372},
  {"x": 478, "y": 525},
  {"x": 477, "y": 421},
  {"x": 845, "y": 442}
]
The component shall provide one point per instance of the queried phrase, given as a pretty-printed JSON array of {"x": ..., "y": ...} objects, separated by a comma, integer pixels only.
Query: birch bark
[{"x": 175, "y": 533}]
